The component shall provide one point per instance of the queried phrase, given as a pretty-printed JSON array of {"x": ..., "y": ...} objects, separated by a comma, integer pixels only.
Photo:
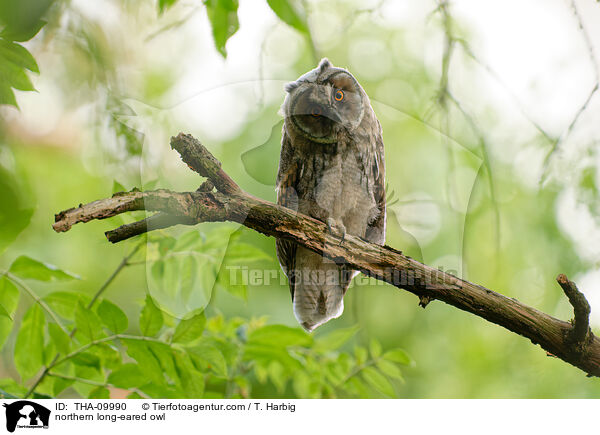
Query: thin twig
[
  {"x": 112, "y": 277},
  {"x": 155, "y": 222},
  {"x": 567, "y": 132},
  {"x": 587, "y": 40}
]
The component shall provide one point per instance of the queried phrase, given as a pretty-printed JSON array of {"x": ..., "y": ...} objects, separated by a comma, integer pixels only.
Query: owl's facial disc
[
  {"x": 319, "y": 111},
  {"x": 347, "y": 98}
]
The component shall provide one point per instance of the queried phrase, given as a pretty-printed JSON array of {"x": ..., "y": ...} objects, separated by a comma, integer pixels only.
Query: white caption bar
[{"x": 304, "y": 417}]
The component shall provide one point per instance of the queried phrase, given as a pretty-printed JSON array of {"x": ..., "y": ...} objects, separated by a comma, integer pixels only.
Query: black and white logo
[{"x": 24, "y": 414}]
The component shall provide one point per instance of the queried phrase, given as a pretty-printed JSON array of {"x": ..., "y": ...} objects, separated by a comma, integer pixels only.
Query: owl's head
[{"x": 324, "y": 101}]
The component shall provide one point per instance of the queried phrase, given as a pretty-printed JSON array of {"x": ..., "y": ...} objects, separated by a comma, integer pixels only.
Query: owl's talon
[{"x": 336, "y": 228}]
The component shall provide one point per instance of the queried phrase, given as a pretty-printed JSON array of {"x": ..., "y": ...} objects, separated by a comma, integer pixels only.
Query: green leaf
[
  {"x": 60, "y": 385},
  {"x": 112, "y": 316},
  {"x": 4, "y": 313},
  {"x": 110, "y": 357},
  {"x": 28, "y": 268},
  {"x": 288, "y": 12},
  {"x": 377, "y": 381},
  {"x": 15, "y": 211},
  {"x": 345, "y": 363},
  {"x": 9, "y": 297},
  {"x": 304, "y": 386},
  {"x": 129, "y": 375},
  {"x": 333, "y": 373},
  {"x": 239, "y": 252},
  {"x": 361, "y": 354},
  {"x": 264, "y": 354},
  {"x": 14, "y": 59},
  {"x": 7, "y": 96},
  {"x": 211, "y": 356},
  {"x": 151, "y": 319},
  {"x": 390, "y": 369},
  {"x": 375, "y": 348},
  {"x": 277, "y": 375},
  {"x": 165, "y": 4},
  {"x": 87, "y": 360},
  {"x": 334, "y": 339},
  {"x": 22, "y": 33},
  {"x": 64, "y": 303},
  {"x": 279, "y": 336},
  {"x": 9, "y": 389},
  {"x": 164, "y": 355},
  {"x": 15, "y": 76},
  {"x": 356, "y": 386},
  {"x": 18, "y": 55},
  {"x": 399, "y": 356},
  {"x": 29, "y": 348},
  {"x": 224, "y": 21},
  {"x": 61, "y": 340},
  {"x": 189, "y": 240},
  {"x": 261, "y": 373},
  {"x": 189, "y": 329},
  {"x": 192, "y": 381},
  {"x": 6, "y": 326},
  {"x": 139, "y": 351},
  {"x": 99, "y": 393},
  {"x": 87, "y": 322}
]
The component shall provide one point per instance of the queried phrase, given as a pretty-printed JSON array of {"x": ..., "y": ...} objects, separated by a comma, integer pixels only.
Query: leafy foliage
[
  {"x": 90, "y": 351},
  {"x": 20, "y": 22}
]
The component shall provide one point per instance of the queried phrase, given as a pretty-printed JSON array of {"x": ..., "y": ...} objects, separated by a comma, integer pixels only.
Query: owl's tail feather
[{"x": 319, "y": 288}]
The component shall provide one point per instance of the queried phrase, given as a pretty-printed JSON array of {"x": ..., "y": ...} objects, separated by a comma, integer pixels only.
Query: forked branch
[{"x": 571, "y": 342}]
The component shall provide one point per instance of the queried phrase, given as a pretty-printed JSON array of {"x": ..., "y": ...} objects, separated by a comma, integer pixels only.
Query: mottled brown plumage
[{"x": 332, "y": 168}]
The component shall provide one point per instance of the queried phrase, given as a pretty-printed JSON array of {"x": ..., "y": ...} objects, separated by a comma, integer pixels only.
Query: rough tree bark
[{"x": 221, "y": 199}]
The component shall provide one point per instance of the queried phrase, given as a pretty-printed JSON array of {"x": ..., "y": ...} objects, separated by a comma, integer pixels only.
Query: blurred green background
[{"x": 492, "y": 172}]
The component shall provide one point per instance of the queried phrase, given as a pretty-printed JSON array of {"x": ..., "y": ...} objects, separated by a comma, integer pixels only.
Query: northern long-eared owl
[{"x": 332, "y": 168}]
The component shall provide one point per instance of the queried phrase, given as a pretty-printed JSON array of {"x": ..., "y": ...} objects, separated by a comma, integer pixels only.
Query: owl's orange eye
[
  {"x": 339, "y": 95},
  {"x": 316, "y": 111}
]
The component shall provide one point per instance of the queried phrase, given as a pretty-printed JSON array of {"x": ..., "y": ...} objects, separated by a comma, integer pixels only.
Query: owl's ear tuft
[
  {"x": 289, "y": 87},
  {"x": 324, "y": 64}
]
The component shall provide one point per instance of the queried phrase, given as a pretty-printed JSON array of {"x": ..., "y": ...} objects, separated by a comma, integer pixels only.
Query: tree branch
[
  {"x": 154, "y": 222},
  {"x": 580, "y": 334},
  {"x": 229, "y": 203}
]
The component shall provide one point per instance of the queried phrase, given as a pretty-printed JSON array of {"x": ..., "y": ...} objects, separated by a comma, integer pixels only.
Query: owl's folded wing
[
  {"x": 376, "y": 230},
  {"x": 287, "y": 181}
]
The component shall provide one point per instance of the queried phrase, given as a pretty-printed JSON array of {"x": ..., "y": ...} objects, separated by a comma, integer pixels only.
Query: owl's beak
[{"x": 331, "y": 113}]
